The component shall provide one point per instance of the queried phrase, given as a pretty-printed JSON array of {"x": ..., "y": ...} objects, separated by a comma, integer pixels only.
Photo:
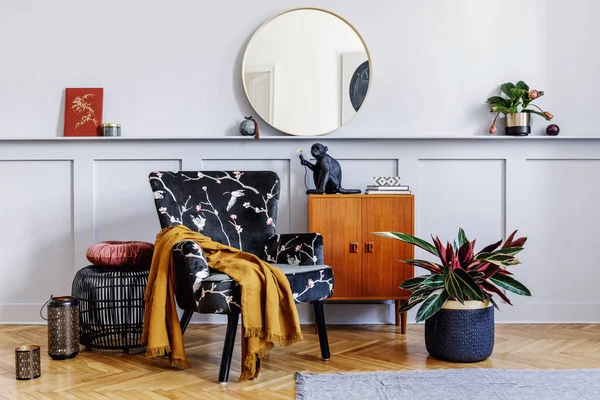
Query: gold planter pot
[
  {"x": 468, "y": 305},
  {"x": 518, "y": 124}
]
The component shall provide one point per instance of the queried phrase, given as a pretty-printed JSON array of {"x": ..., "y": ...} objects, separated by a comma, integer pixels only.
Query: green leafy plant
[
  {"x": 461, "y": 274},
  {"x": 517, "y": 99}
]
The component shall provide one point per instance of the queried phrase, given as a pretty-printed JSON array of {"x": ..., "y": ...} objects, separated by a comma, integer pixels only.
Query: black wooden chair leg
[
  {"x": 232, "y": 323},
  {"x": 185, "y": 320},
  {"x": 321, "y": 329}
]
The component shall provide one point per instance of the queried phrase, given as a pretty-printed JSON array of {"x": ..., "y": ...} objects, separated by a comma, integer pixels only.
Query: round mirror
[{"x": 306, "y": 72}]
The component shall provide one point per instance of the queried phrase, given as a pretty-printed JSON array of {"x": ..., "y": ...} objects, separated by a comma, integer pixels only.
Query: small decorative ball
[
  {"x": 552, "y": 130},
  {"x": 247, "y": 126}
]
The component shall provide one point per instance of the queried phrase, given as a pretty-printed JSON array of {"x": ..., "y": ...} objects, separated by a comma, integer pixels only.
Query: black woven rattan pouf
[{"x": 111, "y": 306}]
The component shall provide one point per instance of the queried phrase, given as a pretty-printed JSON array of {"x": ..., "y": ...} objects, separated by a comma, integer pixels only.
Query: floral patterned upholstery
[
  {"x": 219, "y": 294},
  {"x": 238, "y": 209},
  {"x": 294, "y": 249}
]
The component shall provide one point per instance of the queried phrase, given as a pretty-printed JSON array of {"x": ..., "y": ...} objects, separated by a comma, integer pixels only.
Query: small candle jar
[
  {"x": 110, "y": 129},
  {"x": 27, "y": 362}
]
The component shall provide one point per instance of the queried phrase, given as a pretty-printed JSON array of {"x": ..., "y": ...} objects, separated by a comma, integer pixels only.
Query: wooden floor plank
[{"x": 113, "y": 375}]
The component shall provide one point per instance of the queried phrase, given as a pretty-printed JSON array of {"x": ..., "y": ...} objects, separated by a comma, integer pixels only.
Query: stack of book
[{"x": 387, "y": 185}]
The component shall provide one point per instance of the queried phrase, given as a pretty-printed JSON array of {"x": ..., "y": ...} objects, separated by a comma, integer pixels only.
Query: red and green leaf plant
[
  {"x": 461, "y": 274},
  {"x": 517, "y": 99}
]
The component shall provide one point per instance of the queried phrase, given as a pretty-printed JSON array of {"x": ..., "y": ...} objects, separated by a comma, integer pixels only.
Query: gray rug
[{"x": 453, "y": 384}]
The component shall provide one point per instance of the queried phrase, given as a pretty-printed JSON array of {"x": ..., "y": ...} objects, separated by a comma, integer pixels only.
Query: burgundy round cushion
[{"x": 112, "y": 253}]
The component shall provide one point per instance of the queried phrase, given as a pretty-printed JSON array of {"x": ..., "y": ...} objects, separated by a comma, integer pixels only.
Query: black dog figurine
[{"x": 327, "y": 172}]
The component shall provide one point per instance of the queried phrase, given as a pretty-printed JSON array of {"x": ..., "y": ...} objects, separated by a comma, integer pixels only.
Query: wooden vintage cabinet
[{"x": 365, "y": 265}]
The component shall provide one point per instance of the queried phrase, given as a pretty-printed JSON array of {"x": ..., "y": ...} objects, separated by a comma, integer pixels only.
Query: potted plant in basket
[
  {"x": 515, "y": 107},
  {"x": 456, "y": 296}
]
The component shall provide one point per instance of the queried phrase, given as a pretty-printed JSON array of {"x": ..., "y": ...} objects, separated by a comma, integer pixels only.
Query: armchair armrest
[
  {"x": 190, "y": 268},
  {"x": 294, "y": 248}
]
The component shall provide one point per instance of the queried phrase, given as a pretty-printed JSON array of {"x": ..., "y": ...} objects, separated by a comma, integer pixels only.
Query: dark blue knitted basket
[{"x": 460, "y": 335}]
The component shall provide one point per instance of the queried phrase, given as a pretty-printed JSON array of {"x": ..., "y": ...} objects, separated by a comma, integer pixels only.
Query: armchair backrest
[{"x": 235, "y": 208}]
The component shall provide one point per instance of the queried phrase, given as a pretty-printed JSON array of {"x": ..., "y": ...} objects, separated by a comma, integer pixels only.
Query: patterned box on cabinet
[{"x": 365, "y": 265}]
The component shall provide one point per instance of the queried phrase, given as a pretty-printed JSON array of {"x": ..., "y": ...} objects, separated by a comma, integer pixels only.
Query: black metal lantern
[
  {"x": 27, "y": 362},
  {"x": 63, "y": 327}
]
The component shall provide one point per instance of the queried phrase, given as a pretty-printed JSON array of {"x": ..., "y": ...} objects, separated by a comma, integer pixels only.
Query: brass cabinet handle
[
  {"x": 369, "y": 247},
  {"x": 353, "y": 247}
]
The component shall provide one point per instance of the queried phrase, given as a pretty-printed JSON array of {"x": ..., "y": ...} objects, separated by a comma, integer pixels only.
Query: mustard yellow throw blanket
[{"x": 269, "y": 314}]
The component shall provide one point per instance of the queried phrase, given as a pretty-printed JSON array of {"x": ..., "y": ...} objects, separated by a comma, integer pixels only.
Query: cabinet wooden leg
[
  {"x": 403, "y": 318},
  {"x": 400, "y": 317}
]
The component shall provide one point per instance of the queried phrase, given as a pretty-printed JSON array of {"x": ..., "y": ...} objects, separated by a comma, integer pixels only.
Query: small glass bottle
[{"x": 110, "y": 129}]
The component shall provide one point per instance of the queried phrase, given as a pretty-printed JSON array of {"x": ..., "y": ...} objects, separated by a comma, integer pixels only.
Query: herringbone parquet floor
[{"x": 94, "y": 375}]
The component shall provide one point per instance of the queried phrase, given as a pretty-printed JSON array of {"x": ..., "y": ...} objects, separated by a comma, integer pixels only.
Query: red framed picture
[{"x": 83, "y": 111}]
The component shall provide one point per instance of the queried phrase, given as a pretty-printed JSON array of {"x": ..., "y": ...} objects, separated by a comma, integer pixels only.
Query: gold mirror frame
[{"x": 306, "y": 9}]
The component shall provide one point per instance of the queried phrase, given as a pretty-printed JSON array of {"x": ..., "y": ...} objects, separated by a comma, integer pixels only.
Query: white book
[
  {"x": 387, "y": 192},
  {"x": 372, "y": 187}
]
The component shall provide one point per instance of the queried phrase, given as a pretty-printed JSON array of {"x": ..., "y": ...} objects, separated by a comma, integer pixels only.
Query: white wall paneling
[
  {"x": 460, "y": 193},
  {"x": 36, "y": 245},
  {"x": 467, "y": 193},
  {"x": 63, "y": 195},
  {"x": 560, "y": 199},
  {"x": 122, "y": 198}
]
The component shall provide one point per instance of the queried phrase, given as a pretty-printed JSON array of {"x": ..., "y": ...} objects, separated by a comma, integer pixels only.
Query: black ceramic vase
[
  {"x": 247, "y": 126},
  {"x": 458, "y": 334}
]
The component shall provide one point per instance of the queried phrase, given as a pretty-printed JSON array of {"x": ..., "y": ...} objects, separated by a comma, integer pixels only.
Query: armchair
[{"x": 238, "y": 209}]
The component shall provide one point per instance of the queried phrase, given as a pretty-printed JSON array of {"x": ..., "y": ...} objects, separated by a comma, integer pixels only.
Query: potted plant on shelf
[
  {"x": 515, "y": 107},
  {"x": 456, "y": 296}
]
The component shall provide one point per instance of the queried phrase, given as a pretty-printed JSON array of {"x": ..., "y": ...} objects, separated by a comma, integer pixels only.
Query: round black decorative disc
[{"x": 359, "y": 84}]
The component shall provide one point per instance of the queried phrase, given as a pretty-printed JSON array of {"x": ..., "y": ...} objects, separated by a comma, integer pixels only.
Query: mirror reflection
[{"x": 306, "y": 72}]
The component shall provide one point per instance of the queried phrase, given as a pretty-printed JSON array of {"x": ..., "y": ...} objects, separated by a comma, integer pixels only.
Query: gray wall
[
  {"x": 61, "y": 196},
  {"x": 172, "y": 68}
]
